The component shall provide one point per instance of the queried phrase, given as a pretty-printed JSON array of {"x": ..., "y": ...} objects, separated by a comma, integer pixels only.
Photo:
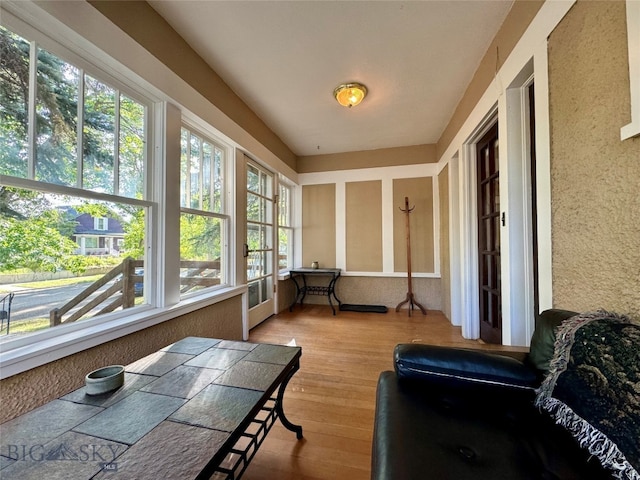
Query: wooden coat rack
[{"x": 410, "y": 299}]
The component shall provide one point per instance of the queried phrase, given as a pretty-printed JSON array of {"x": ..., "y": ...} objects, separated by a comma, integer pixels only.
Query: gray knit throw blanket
[{"x": 593, "y": 388}]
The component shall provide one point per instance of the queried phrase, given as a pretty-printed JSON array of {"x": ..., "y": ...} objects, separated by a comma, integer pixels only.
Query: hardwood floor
[{"x": 333, "y": 394}]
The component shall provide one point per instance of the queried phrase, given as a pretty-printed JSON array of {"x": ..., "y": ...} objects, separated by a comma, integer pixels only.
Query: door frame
[
  {"x": 512, "y": 113},
  {"x": 469, "y": 275},
  {"x": 531, "y": 49}
]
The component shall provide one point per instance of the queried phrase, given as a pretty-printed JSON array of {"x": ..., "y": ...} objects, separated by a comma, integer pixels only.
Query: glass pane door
[{"x": 259, "y": 243}]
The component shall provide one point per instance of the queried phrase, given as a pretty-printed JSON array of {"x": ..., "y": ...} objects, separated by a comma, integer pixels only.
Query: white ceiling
[{"x": 284, "y": 58}]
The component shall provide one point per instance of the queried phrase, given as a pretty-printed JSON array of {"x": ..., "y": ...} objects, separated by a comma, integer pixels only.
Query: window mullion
[
  {"x": 212, "y": 178},
  {"x": 79, "y": 130},
  {"x": 218, "y": 176},
  {"x": 187, "y": 180},
  {"x": 33, "y": 95},
  {"x": 201, "y": 174},
  {"x": 116, "y": 146}
]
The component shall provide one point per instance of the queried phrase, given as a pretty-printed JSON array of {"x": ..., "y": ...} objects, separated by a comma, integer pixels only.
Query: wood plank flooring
[{"x": 333, "y": 394}]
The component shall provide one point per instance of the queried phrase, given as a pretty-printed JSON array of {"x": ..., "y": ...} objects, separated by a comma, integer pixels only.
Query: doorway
[
  {"x": 489, "y": 221},
  {"x": 258, "y": 247}
]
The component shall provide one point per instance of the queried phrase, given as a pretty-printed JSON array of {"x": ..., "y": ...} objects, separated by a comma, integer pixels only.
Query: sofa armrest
[{"x": 457, "y": 366}]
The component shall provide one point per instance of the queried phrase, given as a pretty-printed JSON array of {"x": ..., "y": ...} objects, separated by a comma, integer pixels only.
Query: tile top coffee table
[{"x": 199, "y": 408}]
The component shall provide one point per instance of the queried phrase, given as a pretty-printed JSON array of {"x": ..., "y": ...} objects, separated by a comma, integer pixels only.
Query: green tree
[
  {"x": 134, "y": 244},
  {"x": 56, "y": 123},
  {"x": 32, "y": 243},
  {"x": 199, "y": 237},
  {"x": 17, "y": 203}
]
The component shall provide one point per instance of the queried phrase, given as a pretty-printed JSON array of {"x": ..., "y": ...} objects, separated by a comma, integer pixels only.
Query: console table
[
  {"x": 302, "y": 290},
  {"x": 198, "y": 408}
]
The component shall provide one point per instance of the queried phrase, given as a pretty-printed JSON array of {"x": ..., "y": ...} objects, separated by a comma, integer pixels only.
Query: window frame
[
  {"x": 23, "y": 353},
  {"x": 632, "y": 129},
  {"x": 101, "y": 223},
  {"x": 86, "y": 66},
  {"x": 191, "y": 124},
  {"x": 289, "y": 227}
]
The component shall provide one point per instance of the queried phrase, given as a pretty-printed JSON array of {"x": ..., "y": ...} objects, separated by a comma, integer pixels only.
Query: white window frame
[
  {"x": 193, "y": 126},
  {"x": 24, "y": 353},
  {"x": 633, "y": 35},
  {"x": 289, "y": 227},
  {"x": 101, "y": 223}
]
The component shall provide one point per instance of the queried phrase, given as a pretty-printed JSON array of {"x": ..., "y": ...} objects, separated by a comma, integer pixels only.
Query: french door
[
  {"x": 489, "y": 221},
  {"x": 258, "y": 247}
]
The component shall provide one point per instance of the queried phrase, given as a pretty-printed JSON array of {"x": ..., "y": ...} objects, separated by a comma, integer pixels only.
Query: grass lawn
[
  {"x": 61, "y": 282},
  {"x": 30, "y": 325}
]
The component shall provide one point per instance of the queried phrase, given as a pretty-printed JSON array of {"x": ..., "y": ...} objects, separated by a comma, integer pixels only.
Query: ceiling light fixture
[{"x": 350, "y": 94}]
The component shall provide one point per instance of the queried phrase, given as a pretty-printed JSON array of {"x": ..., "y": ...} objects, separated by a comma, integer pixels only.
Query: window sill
[
  {"x": 284, "y": 275},
  {"x": 26, "y": 357}
]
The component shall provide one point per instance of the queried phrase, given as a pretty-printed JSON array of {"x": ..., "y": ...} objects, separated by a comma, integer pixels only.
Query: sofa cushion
[
  {"x": 422, "y": 434},
  {"x": 592, "y": 388},
  {"x": 460, "y": 366},
  {"x": 544, "y": 337}
]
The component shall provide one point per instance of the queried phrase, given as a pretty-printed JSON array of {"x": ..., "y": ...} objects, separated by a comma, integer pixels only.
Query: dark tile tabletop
[{"x": 179, "y": 409}]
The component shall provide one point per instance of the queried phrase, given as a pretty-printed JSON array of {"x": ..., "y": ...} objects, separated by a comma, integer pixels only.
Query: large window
[
  {"x": 204, "y": 218},
  {"x": 285, "y": 228},
  {"x": 65, "y": 127},
  {"x": 73, "y": 209}
]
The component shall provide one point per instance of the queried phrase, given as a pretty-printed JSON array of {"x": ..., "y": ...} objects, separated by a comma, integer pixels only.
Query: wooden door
[{"x": 489, "y": 221}]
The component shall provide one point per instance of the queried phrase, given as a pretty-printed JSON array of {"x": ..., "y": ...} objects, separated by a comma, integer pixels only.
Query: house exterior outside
[
  {"x": 589, "y": 210},
  {"x": 98, "y": 235}
]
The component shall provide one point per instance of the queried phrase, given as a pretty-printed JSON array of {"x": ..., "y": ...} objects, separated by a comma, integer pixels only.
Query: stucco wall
[
  {"x": 387, "y": 291},
  {"x": 595, "y": 177},
  {"x": 26, "y": 391}
]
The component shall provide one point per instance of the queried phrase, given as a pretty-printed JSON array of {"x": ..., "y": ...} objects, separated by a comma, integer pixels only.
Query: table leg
[
  {"x": 331, "y": 304},
  {"x": 283, "y": 386},
  {"x": 332, "y": 291},
  {"x": 295, "y": 300}
]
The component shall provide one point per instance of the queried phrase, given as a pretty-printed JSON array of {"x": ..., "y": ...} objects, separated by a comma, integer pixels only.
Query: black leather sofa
[{"x": 447, "y": 413}]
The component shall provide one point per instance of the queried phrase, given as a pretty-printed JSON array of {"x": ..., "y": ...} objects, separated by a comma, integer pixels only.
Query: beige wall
[
  {"x": 286, "y": 293},
  {"x": 420, "y": 194},
  {"x": 445, "y": 273},
  {"x": 319, "y": 225},
  {"x": 595, "y": 177},
  {"x": 517, "y": 21},
  {"x": 363, "y": 216},
  {"x": 26, "y": 391},
  {"x": 384, "y": 157}
]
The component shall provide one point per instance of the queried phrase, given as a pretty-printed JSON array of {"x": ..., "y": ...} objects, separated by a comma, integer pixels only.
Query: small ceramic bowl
[{"x": 104, "y": 380}]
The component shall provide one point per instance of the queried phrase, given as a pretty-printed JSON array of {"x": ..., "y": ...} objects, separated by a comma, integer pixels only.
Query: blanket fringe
[
  {"x": 588, "y": 437},
  {"x": 591, "y": 439}
]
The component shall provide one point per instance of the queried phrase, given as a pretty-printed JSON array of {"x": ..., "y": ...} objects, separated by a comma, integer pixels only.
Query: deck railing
[
  {"x": 122, "y": 294},
  {"x": 5, "y": 311}
]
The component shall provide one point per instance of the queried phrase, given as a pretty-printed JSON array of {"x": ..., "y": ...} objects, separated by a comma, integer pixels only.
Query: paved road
[{"x": 37, "y": 303}]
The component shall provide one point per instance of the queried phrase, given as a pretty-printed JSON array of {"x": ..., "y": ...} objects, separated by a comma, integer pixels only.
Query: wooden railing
[
  {"x": 197, "y": 276},
  {"x": 122, "y": 292},
  {"x": 5, "y": 310}
]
